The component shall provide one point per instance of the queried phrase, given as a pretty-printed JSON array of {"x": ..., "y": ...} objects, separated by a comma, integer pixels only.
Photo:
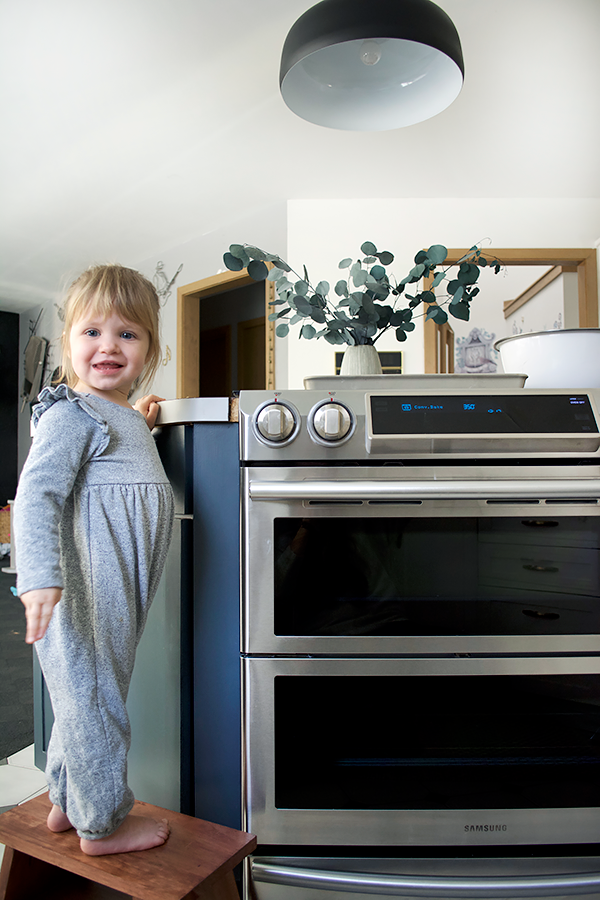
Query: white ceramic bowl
[{"x": 554, "y": 359}]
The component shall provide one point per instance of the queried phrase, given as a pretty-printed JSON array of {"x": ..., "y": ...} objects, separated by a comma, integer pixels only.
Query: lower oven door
[
  {"x": 422, "y": 752},
  {"x": 340, "y": 878}
]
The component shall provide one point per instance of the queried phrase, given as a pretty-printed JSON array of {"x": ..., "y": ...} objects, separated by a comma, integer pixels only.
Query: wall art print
[{"x": 475, "y": 353}]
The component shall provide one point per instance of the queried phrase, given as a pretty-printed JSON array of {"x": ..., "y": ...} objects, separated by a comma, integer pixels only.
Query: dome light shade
[{"x": 371, "y": 65}]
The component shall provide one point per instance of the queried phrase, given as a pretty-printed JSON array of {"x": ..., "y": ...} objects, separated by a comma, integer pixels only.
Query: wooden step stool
[{"x": 197, "y": 861}]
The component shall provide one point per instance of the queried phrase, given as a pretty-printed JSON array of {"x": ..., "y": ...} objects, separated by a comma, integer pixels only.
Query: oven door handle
[
  {"x": 575, "y": 489},
  {"x": 428, "y": 886}
]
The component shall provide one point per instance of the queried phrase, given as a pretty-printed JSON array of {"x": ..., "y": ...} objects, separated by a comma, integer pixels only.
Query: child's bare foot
[
  {"x": 135, "y": 833},
  {"x": 57, "y": 820}
]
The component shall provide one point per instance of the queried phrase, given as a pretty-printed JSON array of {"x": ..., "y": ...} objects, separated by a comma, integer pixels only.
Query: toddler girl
[{"x": 93, "y": 517}]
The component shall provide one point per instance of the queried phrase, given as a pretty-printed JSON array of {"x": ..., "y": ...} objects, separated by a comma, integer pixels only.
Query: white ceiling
[{"x": 132, "y": 126}]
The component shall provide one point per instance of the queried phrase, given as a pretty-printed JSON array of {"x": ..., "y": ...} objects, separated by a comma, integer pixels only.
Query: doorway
[
  {"x": 225, "y": 341},
  {"x": 439, "y": 340}
]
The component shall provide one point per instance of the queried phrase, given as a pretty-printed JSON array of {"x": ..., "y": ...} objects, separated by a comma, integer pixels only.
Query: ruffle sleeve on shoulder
[{"x": 51, "y": 395}]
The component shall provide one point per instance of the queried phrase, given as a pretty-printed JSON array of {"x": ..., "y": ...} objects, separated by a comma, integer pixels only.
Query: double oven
[{"x": 421, "y": 642}]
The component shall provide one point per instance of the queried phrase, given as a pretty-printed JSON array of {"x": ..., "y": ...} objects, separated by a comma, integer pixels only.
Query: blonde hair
[{"x": 102, "y": 291}]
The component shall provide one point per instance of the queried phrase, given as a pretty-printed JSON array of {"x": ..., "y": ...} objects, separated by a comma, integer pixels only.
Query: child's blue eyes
[{"x": 92, "y": 332}]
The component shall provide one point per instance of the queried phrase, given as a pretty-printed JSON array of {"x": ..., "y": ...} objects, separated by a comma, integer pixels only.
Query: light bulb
[{"x": 370, "y": 53}]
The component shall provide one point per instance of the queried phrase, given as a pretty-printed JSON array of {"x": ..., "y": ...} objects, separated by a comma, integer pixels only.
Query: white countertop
[{"x": 193, "y": 409}]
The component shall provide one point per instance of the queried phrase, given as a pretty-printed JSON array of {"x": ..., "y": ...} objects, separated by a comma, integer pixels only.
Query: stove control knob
[
  {"x": 332, "y": 422},
  {"x": 275, "y": 422}
]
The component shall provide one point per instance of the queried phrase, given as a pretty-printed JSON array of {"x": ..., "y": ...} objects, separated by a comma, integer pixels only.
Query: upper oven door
[{"x": 393, "y": 560}]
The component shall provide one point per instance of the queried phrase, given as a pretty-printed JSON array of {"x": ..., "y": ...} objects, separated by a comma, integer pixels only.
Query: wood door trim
[
  {"x": 584, "y": 258},
  {"x": 188, "y": 327}
]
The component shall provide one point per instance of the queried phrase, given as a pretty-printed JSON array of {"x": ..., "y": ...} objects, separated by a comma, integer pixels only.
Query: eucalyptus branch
[{"x": 371, "y": 311}]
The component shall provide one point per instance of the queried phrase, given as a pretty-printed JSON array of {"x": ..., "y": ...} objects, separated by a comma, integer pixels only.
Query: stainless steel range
[{"x": 421, "y": 640}]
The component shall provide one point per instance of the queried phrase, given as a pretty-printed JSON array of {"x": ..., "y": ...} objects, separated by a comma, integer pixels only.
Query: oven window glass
[
  {"x": 436, "y": 576},
  {"x": 452, "y": 742}
]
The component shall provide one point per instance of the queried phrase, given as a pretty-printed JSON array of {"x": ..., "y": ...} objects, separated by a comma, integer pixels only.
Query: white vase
[{"x": 361, "y": 359}]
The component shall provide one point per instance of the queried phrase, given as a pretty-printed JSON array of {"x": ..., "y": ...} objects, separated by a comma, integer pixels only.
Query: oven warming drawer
[{"x": 310, "y": 878}]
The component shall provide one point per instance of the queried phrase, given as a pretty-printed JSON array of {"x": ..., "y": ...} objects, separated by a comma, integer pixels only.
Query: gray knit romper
[{"x": 93, "y": 515}]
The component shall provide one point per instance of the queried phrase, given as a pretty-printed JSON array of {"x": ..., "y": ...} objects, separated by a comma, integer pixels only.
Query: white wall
[
  {"x": 322, "y": 232},
  {"x": 555, "y": 307},
  {"x": 202, "y": 256}
]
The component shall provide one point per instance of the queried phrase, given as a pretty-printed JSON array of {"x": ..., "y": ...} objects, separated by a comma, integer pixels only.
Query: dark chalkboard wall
[{"x": 9, "y": 404}]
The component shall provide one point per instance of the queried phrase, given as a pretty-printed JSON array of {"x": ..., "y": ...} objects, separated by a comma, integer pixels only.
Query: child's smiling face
[{"x": 107, "y": 355}]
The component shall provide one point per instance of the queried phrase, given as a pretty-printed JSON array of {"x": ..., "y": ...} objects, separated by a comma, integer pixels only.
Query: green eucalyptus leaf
[
  {"x": 359, "y": 277},
  {"x": 257, "y": 270},
  {"x": 275, "y": 273},
  {"x": 409, "y": 326},
  {"x": 306, "y": 278},
  {"x": 421, "y": 257},
  {"x": 437, "y": 279},
  {"x": 460, "y": 310},
  {"x": 317, "y": 315},
  {"x": 385, "y": 257},
  {"x": 308, "y": 332},
  {"x": 385, "y": 314},
  {"x": 345, "y": 263},
  {"x": 368, "y": 248},
  {"x": 377, "y": 272},
  {"x": 438, "y": 315},
  {"x": 427, "y": 297},
  {"x": 301, "y": 287},
  {"x": 303, "y": 305},
  {"x": 297, "y": 318},
  {"x": 322, "y": 288},
  {"x": 458, "y": 295},
  {"x": 437, "y": 254},
  {"x": 400, "y": 334},
  {"x": 233, "y": 263},
  {"x": 255, "y": 253},
  {"x": 282, "y": 330},
  {"x": 281, "y": 264},
  {"x": 333, "y": 337},
  {"x": 368, "y": 260},
  {"x": 368, "y": 305},
  {"x": 468, "y": 273},
  {"x": 341, "y": 288},
  {"x": 414, "y": 275}
]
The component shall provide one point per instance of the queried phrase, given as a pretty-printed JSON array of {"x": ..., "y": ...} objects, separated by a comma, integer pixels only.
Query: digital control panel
[{"x": 488, "y": 414}]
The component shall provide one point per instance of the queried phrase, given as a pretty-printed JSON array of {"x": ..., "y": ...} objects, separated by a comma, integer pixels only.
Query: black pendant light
[{"x": 371, "y": 65}]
